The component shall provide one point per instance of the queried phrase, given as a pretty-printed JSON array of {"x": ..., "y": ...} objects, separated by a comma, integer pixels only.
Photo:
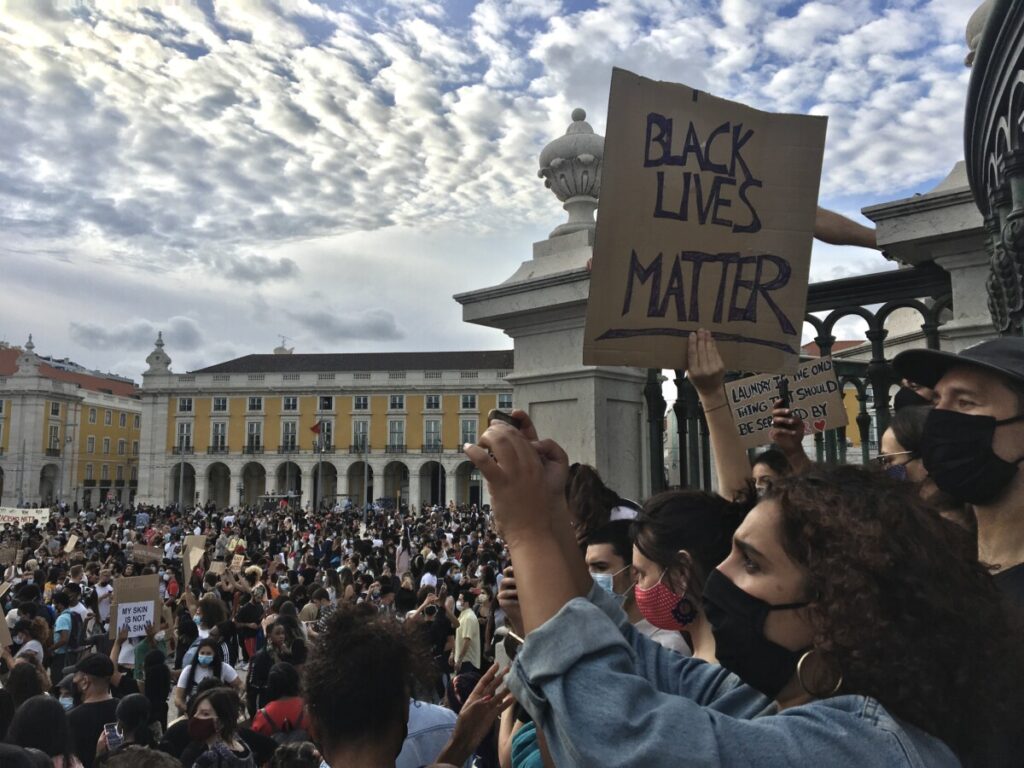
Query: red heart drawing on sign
[{"x": 819, "y": 425}]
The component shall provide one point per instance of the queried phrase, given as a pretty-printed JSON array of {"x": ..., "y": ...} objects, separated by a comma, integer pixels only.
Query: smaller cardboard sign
[
  {"x": 7, "y": 555},
  {"x": 193, "y": 557},
  {"x": 72, "y": 543},
  {"x": 218, "y": 567},
  {"x": 5, "y": 587},
  {"x": 814, "y": 392},
  {"x": 143, "y": 554},
  {"x": 132, "y": 592},
  {"x": 236, "y": 563},
  {"x": 5, "y": 635}
]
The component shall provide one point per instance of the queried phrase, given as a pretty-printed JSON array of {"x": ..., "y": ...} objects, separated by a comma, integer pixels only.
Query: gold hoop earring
[{"x": 815, "y": 694}]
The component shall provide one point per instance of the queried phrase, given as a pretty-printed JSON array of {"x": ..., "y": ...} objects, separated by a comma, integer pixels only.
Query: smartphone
[
  {"x": 114, "y": 740},
  {"x": 783, "y": 393},
  {"x": 495, "y": 414},
  {"x": 430, "y": 610}
]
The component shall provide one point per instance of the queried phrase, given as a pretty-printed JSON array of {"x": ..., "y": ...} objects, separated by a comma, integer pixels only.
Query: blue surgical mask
[
  {"x": 204, "y": 660},
  {"x": 68, "y": 702},
  {"x": 606, "y": 581}
]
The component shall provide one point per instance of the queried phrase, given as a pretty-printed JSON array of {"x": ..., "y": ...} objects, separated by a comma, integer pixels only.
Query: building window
[
  {"x": 360, "y": 403},
  {"x": 361, "y": 434},
  {"x": 433, "y": 402},
  {"x": 138, "y": 421},
  {"x": 255, "y": 403},
  {"x": 327, "y": 433},
  {"x": 326, "y": 403},
  {"x": 290, "y": 403},
  {"x": 90, "y": 444},
  {"x": 122, "y": 420},
  {"x": 135, "y": 473},
  {"x": 469, "y": 431},
  {"x": 106, "y": 445},
  {"x": 122, "y": 447},
  {"x": 219, "y": 440},
  {"x": 119, "y": 472},
  {"x": 432, "y": 433},
  {"x": 88, "y": 471},
  {"x": 54, "y": 441},
  {"x": 397, "y": 403},
  {"x": 107, "y": 418},
  {"x": 1, "y": 406},
  {"x": 254, "y": 435},
  {"x": 396, "y": 434},
  {"x": 184, "y": 405},
  {"x": 220, "y": 405},
  {"x": 92, "y": 415},
  {"x": 55, "y": 409},
  {"x": 135, "y": 447},
  {"x": 288, "y": 433},
  {"x": 105, "y": 472},
  {"x": 469, "y": 402},
  {"x": 505, "y": 401},
  {"x": 184, "y": 441}
]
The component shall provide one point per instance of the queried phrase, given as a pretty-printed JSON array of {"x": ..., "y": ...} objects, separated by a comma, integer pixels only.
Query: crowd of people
[{"x": 804, "y": 614}]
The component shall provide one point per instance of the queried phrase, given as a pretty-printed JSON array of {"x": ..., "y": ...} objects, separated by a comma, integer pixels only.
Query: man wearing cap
[
  {"x": 973, "y": 443},
  {"x": 98, "y": 707}
]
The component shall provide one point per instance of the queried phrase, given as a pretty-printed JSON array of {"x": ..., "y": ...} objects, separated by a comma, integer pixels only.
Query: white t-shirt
[
  {"x": 227, "y": 674},
  {"x": 428, "y": 580},
  {"x": 666, "y": 638}
]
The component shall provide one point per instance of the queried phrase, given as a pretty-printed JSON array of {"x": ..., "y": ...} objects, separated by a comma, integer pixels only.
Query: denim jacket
[{"x": 605, "y": 695}]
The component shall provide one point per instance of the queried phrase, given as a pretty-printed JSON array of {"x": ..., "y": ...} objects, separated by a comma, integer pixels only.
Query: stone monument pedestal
[{"x": 597, "y": 414}]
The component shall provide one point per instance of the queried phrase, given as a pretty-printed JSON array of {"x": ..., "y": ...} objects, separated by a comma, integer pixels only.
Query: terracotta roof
[
  {"x": 367, "y": 361},
  {"x": 8, "y": 366},
  {"x": 811, "y": 348}
]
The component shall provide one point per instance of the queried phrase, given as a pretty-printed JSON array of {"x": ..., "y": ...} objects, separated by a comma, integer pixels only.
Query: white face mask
[{"x": 459, "y": 605}]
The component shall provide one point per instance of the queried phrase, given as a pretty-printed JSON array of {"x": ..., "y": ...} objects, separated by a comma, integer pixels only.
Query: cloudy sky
[{"x": 333, "y": 172}]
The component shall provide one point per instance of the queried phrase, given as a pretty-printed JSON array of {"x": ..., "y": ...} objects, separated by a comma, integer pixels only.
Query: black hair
[
  {"x": 24, "y": 683},
  {"x": 698, "y": 522},
  {"x": 157, "y": 686},
  {"x": 774, "y": 459},
  {"x": 282, "y": 682},
  {"x": 296, "y": 755},
  {"x": 225, "y": 704},
  {"x": 53, "y": 740},
  {"x": 616, "y": 533},
  {"x": 907, "y": 426},
  {"x": 133, "y": 713},
  {"x": 62, "y": 598}
]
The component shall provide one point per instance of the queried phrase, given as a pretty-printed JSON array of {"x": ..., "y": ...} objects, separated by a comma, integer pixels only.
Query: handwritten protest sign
[
  {"x": 143, "y": 554},
  {"x": 236, "y": 563},
  {"x": 134, "y": 604},
  {"x": 705, "y": 219},
  {"x": 218, "y": 567},
  {"x": 72, "y": 543},
  {"x": 18, "y": 516},
  {"x": 7, "y": 555},
  {"x": 814, "y": 393}
]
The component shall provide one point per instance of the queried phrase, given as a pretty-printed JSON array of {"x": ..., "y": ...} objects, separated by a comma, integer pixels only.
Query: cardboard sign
[
  {"x": 218, "y": 567},
  {"x": 18, "y": 516},
  {"x": 5, "y": 587},
  {"x": 7, "y": 555},
  {"x": 193, "y": 557},
  {"x": 140, "y": 596},
  {"x": 143, "y": 554},
  {"x": 72, "y": 543},
  {"x": 236, "y": 563},
  {"x": 814, "y": 395},
  {"x": 705, "y": 220},
  {"x": 5, "y": 635}
]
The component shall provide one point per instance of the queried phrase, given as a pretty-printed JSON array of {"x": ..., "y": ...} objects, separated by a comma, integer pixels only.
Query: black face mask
[
  {"x": 957, "y": 452},
  {"x": 737, "y": 622}
]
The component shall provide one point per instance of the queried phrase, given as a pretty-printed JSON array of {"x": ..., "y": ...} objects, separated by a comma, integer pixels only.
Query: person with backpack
[
  {"x": 63, "y": 633},
  {"x": 283, "y": 718}
]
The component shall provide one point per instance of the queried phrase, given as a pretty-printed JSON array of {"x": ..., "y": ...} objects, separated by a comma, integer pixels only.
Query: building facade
[
  {"x": 66, "y": 434},
  {"x": 391, "y": 426}
]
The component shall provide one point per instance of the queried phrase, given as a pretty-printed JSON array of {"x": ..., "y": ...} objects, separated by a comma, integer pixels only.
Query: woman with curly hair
[{"x": 864, "y": 619}]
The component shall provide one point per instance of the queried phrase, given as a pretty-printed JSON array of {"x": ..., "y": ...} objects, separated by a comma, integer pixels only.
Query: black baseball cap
[
  {"x": 1004, "y": 356},
  {"x": 96, "y": 664}
]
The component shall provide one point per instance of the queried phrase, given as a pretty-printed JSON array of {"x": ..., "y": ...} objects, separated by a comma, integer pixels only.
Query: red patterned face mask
[{"x": 664, "y": 608}]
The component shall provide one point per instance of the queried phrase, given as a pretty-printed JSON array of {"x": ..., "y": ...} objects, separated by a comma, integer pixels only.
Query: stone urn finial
[
  {"x": 571, "y": 168},
  {"x": 27, "y": 362},
  {"x": 158, "y": 360},
  {"x": 975, "y": 29}
]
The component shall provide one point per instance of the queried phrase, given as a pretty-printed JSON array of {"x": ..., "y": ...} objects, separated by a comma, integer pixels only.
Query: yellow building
[
  {"x": 66, "y": 433},
  {"x": 392, "y": 425}
]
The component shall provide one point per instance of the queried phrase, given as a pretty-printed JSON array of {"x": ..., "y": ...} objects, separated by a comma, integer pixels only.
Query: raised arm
[{"x": 706, "y": 372}]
